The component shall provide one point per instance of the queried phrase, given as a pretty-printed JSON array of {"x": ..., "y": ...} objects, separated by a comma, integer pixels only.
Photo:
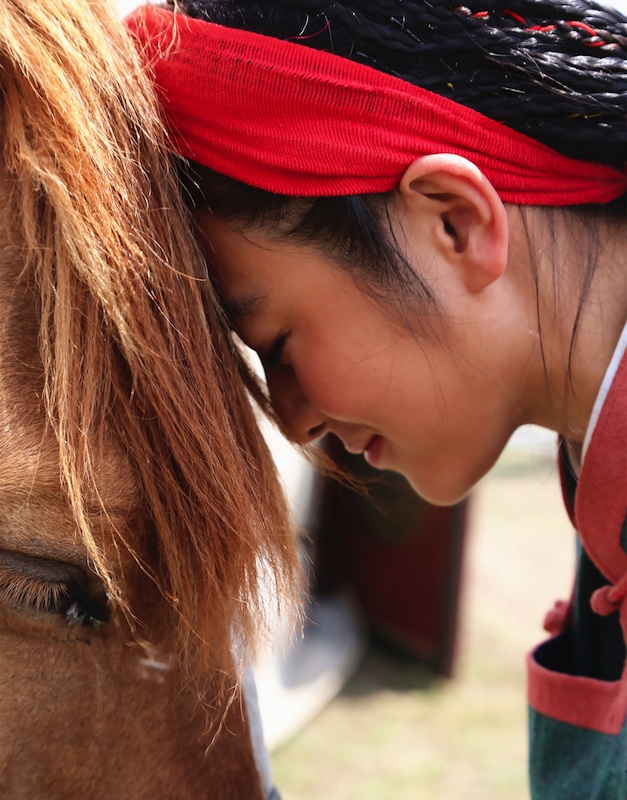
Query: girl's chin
[
  {"x": 438, "y": 498},
  {"x": 441, "y": 480},
  {"x": 439, "y": 493}
]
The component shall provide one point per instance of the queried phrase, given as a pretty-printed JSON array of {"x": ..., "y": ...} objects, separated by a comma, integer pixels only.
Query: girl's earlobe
[{"x": 467, "y": 218}]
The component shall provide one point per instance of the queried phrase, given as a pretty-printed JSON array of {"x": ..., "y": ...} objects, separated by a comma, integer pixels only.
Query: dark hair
[
  {"x": 555, "y": 70},
  {"x": 353, "y": 231}
]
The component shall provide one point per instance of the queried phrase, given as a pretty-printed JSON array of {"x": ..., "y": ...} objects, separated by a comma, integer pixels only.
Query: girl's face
[{"x": 437, "y": 408}]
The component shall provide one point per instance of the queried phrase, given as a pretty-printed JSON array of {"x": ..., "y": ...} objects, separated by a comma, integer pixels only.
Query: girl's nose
[{"x": 302, "y": 420}]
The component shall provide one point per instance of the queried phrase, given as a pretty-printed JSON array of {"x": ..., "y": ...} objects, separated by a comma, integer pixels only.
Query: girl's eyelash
[{"x": 273, "y": 357}]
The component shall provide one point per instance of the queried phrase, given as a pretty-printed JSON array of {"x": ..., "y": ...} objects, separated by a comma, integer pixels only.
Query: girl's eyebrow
[{"x": 239, "y": 307}]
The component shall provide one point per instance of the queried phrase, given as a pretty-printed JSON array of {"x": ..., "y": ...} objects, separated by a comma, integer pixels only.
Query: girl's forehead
[{"x": 246, "y": 257}]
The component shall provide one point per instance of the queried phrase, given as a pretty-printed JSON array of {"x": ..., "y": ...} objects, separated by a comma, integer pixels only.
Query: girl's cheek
[
  {"x": 321, "y": 389},
  {"x": 334, "y": 396}
]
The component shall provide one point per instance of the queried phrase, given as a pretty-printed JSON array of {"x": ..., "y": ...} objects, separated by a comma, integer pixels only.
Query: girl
[{"x": 415, "y": 214}]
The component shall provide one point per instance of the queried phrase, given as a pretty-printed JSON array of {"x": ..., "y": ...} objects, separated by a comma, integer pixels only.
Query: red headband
[{"x": 285, "y": 118}]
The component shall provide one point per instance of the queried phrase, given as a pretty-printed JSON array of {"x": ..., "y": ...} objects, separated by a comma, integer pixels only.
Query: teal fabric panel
[{"x": 570, "y": 763}]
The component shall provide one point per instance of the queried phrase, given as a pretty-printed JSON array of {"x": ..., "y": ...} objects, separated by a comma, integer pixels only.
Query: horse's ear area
[{"x": 448, "y": 198}]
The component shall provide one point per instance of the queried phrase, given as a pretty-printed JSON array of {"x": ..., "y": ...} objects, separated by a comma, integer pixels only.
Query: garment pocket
[
  {"x": 577, "y": 731},
  {"x": 553, "y": 689}
]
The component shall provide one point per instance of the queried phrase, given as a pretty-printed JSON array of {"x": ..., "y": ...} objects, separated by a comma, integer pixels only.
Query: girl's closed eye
[{"x": 274, "y": 356}]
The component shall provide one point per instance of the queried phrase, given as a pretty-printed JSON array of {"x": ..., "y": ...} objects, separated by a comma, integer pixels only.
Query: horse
[{"x": 139, "y": 507}]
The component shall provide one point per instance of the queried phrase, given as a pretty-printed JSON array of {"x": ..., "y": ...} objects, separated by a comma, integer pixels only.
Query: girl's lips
[{"x": 373, "y": 450}]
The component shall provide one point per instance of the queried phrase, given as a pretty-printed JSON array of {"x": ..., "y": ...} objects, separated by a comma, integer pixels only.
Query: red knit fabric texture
[{"x": 297, "y": 121}]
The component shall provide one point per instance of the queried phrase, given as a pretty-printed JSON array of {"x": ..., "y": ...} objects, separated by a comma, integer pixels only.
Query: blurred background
[{"x": 399, "y": 728}]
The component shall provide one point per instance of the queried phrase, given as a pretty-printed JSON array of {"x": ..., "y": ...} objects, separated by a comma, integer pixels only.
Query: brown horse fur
[{"x": 129, "y": 446}]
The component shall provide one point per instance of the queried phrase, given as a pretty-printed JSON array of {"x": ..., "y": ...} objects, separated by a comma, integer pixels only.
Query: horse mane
[{"x": 132, "y": 343}]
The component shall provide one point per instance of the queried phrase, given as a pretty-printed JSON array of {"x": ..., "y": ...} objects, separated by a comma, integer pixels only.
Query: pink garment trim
[
  {"x": 608, "y": 599},
  {"x": 600, "y": 511},
  {"x": 601, "y": 499},
  {"x": 559, "y": 617}
]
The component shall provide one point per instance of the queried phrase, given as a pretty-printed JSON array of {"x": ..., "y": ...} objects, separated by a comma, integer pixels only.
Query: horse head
[{"x": 139, "y": 509}]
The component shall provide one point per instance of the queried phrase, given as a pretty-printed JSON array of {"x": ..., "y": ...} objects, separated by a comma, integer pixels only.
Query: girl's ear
[{"x": 463, "y": 213}]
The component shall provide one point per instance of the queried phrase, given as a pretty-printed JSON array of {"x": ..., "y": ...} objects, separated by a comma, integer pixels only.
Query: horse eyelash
[
  {"x": 52, "y": 597},
  {"x": 29, "y": 592}
]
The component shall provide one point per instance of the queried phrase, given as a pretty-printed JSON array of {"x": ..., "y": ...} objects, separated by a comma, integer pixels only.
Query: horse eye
[
  {"x": 35, "y": 584},
  {"x": 87, "y": 612}
]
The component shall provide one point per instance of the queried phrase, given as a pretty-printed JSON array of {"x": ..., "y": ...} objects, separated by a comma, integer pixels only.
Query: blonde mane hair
[{"x": 132, "y": 342}]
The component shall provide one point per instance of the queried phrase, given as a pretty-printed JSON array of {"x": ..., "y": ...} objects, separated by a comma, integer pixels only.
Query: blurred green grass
[{"x": 396, "y": 731}]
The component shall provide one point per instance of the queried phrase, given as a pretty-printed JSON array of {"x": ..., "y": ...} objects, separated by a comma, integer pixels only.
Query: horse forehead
[
  {"x": 30, "y": 483},
  {"x": 25, "y": 443},
  {"x": 34, "y": 509},
  {"x": 30, "y": 457}
]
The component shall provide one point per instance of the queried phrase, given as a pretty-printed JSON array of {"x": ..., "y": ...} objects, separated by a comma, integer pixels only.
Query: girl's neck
[{"x": 572, "y": 255}]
